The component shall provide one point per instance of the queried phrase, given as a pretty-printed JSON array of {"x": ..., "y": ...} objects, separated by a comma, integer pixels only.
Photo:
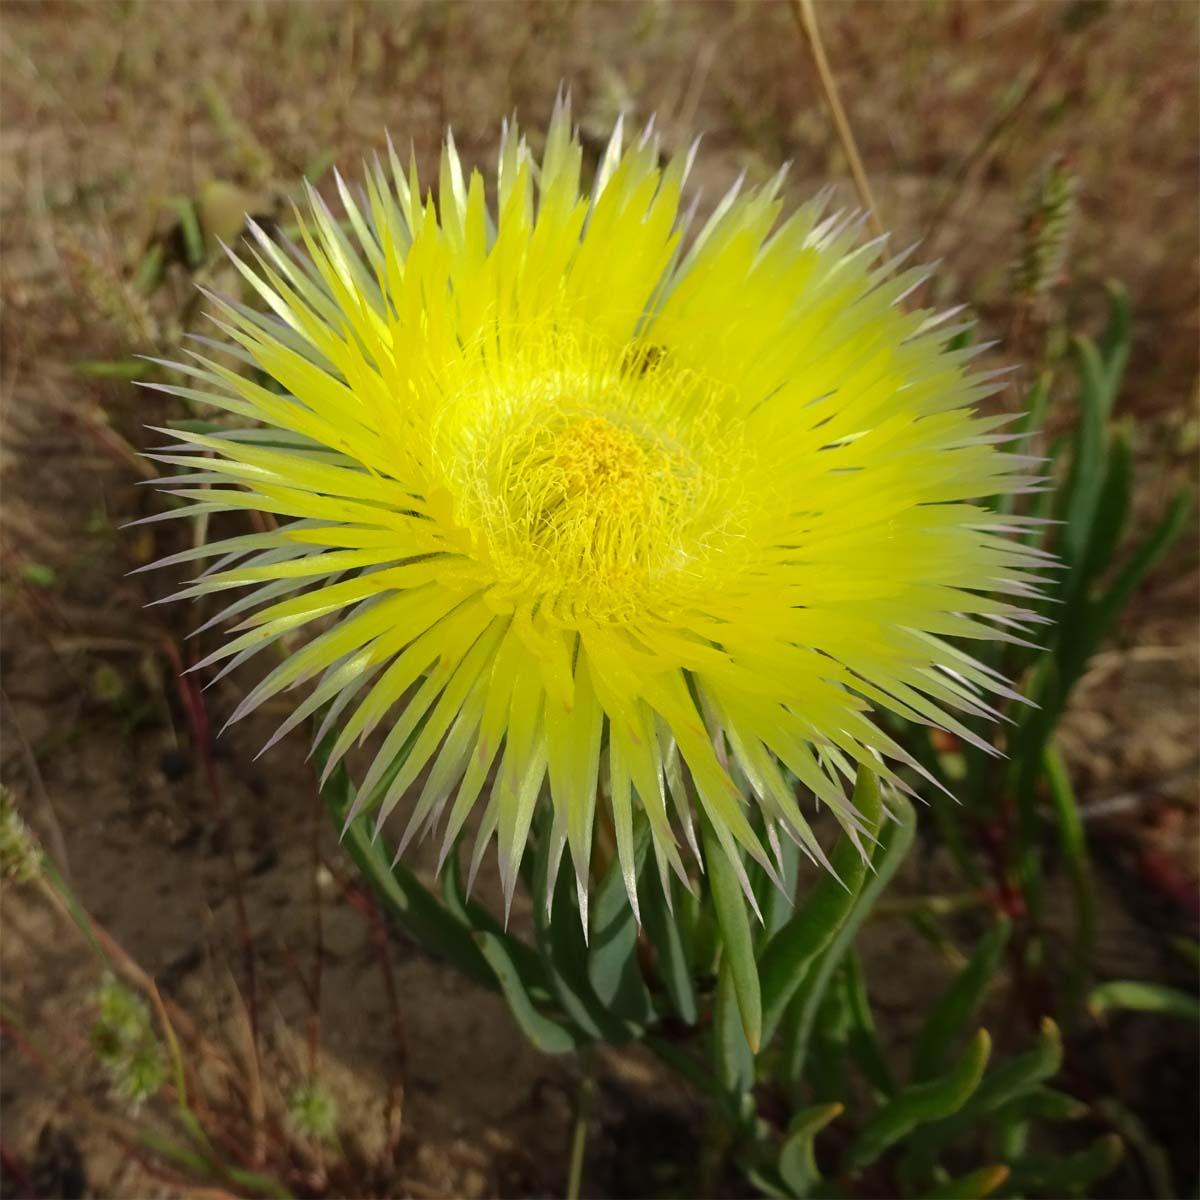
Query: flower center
[
  {"x": 592, "y": 503},
  {"x": 594, "y": 470},
  {"x": 595, "y": 492}
]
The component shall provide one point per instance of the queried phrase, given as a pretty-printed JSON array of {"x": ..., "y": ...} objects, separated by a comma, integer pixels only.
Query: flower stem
[{"x": 583, "y": 1112}]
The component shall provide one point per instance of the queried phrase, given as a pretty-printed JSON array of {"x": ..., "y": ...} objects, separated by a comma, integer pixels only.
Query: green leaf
[
  {"x": 150, "y": 270},
  {"x": 547, "y": 1035},
  {"x": 864, "y": 1041},
  {"x": 1081, "y": 493},
  {"x": 1006, "y": 1083},
  {"x": 189, "y": 227},
  {"x": 797, "y": 1161},
  {"x": 663, "y": 929},
  {"x": 1070, "y": 1175},
  {"x": 949, "y": 1017},
  {"x": 732, "y": 1056},
  {"x": 894, "y": 841},
  {"x": 972, "y": 1186},
  {"x": 1042, "y": 1104},
  {"x": 117, "y": 368},
  {"x": 778, "y": 904},
  {"x": 415, "y": 907},
  {"x": 1112, "y": 511},
  {"x": 39, "y": 574},
  {"x": 1154, "y": 1159},
  {"x": 1114, "y": 345},
  {"x": 920, "y": 1103},
  {"x": 1035, "y": 404},
  {"x": 559, "y": 935},
  {"x": 1188, "y": 949},
  {"x": 475, "y": 916},
  {"x": 1072, "y": 843},
  {"x": 736, "y": 939},
  {"x": 829, "y": 1049},
  {"x": 1137, "y": 996},
  {"x": 612, "y": 956},
  {"x": 787, "y": 956},
  {"x": 1147, "y": 556},
  {"x": 1018, "y": 1075},
  {"x": 961, "y": 340},
  {"x": 1012, "y": 1121}
]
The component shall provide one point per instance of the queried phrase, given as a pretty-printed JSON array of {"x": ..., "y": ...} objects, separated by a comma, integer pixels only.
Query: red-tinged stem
[
  {"x": 367, "y": 905},
  {"x": 193, "y": 703}
]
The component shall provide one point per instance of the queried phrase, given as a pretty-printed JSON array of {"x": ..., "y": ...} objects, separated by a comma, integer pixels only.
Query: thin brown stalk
[
  {"x": 170, "y": 1016},
  {"x": 806, "y": 18},
  {"x": 197, "y": 715},
  {"x": 256, "y": 1103},
  {"x": 58, "y": 845},
  {"x": 367, "y": 906}
]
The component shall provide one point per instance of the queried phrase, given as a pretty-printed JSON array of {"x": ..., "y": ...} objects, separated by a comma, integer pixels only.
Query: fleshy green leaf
[
  {"x": 797, "y": 1162},
  {"x": 1072, "y": 843},
  {"x": 894, "y": 841},
  {"x": 972, "y": 1186},
  {"x": 1043, "y": 1104},
  {"x": 1153, "y": 1157},
  {"x": 787, "y": 956},
  {"x": 547, "y": 1035},
  {"x": 1114, "y": 345},
  {"x": 1112, "y": 509},
  {"x": 559, "y": 934},
  {"x": 1018, "y": 1075},
  {"x": 864, "y": 1041},
  {"x": 1006, "y": 1083},
  {"x": 1138, "y": 996},
  {"x": 920, "y": 1103},
  {"x": 1147, "y": 556},
  {"x": 663, "y": 929},
  {"x": 1081, "y": 493},
  {"x": 475, "y": 916},
  {"x": 612, "y": 954},
  {"x": 416, "y": 908},
  {"x": 1070, "y": 1175},
  {"x": 949, "y": 1017},
  {"x": 736, "y": 938},
  {"x": 732, "y": 1056}
]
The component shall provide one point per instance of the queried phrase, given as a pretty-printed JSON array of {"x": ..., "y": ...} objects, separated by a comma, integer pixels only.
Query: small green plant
[
  {"x": 125, "y": 1042},
  {"x": 1007, "y": 813},
  {"x": 314, "y": 1111},
  {"x": 20, "y": 854}
]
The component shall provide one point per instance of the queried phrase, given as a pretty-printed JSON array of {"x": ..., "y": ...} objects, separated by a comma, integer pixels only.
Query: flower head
[{"x": 600, "y": 506}]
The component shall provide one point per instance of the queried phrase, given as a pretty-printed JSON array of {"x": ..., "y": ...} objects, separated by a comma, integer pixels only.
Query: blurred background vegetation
[{"x": 1036, "y": 149}]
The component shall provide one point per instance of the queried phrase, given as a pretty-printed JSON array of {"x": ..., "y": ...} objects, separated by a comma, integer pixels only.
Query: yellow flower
[{"x": 603, "y": 506}]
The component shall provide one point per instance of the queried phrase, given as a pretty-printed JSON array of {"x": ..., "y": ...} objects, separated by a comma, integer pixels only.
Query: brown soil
[{"x": 109, "y": 110}]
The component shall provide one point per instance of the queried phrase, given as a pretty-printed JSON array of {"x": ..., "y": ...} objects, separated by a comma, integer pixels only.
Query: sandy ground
[{"x": 110, "y": 110}]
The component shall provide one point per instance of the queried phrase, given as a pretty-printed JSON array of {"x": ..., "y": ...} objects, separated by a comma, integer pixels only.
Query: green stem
[
  {"x": 1073, "y": 844},
  {"x": 583, "y": 1112},
  {"x": 934, "y": 906}
]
